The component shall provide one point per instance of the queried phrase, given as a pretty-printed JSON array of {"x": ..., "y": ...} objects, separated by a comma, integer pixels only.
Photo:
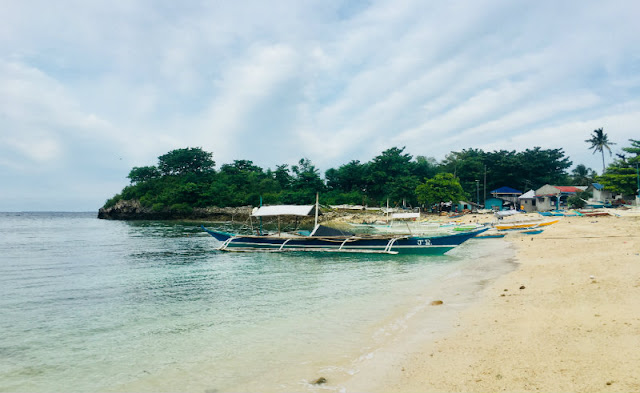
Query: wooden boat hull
[
  {"x": 390, "y": 244},
  {"x": 524, "y": 225}
]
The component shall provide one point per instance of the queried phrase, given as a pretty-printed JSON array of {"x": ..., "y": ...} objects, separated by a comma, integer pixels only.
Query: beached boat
[
  {"x": 524, "y": 225},
  {"x": 326, "y": 239}
]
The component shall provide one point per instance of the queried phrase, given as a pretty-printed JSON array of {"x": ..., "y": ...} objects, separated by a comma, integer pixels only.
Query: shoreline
[{"x": 567, "y": 319}]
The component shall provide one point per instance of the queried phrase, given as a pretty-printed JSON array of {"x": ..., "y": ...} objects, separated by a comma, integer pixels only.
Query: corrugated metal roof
[
  {"x": 283, "y": 210},
  {"x": 506, "y": 190},
  {"x": 568, "y": 189}
]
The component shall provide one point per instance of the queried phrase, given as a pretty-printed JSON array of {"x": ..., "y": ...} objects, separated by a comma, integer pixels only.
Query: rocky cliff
[{"x": 133, "y": 210}]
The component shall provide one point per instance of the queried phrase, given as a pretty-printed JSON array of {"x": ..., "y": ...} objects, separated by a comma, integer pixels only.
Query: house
[
  {"x": 494, "y": 204},
  {"x": 508, "y": 196},
  {"x": 600, "y": 194},
  {"x": 527, "y": 201},
  {"x": 550, "y": 197}
]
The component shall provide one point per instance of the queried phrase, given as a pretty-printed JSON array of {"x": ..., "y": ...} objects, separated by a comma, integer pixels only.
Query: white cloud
[{"x": 109, "y": 86}]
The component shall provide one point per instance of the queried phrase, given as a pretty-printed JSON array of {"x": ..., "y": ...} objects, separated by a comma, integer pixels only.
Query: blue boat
[{"x": 325, "y": 239}]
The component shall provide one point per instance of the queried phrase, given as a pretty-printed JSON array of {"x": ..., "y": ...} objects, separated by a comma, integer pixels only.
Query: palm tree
[
  {"x": 600, "y": 141},
  {"x": 582, "y": 176}
]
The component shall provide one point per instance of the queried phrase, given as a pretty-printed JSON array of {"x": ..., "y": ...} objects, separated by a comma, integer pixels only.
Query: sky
[{"x": 91, "y": 89}]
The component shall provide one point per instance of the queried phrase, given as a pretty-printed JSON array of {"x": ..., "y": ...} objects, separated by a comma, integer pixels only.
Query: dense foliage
[
  {"x": 621, "y": 176},
  {"x": 186, "y": 178}
]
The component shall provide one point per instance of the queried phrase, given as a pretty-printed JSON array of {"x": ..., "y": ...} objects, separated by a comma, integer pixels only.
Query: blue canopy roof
[
  {"x": 506, "y": 190},
  {"x": 597, "y": 186}
]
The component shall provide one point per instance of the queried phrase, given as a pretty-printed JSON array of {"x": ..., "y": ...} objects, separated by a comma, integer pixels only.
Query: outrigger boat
[
  {"x": 524, "y": 225},
  {"x": 326, "y": 239}
]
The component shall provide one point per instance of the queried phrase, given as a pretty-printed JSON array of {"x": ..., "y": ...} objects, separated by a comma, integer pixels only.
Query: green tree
[
  {"x": 540, "y": 167},
  {"x": 443, "y": 187},
  {"x": 306, "y": 181},
  {"x": 143, "y": 174},
  {"x": 282, "y": 176},
  {"x": 424, "y": 168},
  {"x": 468, "y": 166},
  {"x": 348, "y": 177},
  {"x": 599, "y": 142},
  {"x": 582, "y": 176},
  {"x": 635, "y": 150},
  {"x": 578, "y": 201},
  {"x": 188, "y": 160},
  {"x": 384, "y": 169},
  {"x": 621, "y": 175}
]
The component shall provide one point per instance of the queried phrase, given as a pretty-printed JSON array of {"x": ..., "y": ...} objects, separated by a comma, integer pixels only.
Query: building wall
[
  {"x": 528, "y": 205},
  {"x": 493, "y": 204},
  {"x": 545, "y": 203}
]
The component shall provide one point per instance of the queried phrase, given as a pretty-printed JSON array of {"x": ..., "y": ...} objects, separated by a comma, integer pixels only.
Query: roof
[
  {"x": 283, "y": 210},
  {"x": 506, "y": 190},
  {"x": 568, "y": 189},
  {"x": 528, "y": 195},
  {"x": 597, "y": 186},
  {"x": 549, "y": 190}
]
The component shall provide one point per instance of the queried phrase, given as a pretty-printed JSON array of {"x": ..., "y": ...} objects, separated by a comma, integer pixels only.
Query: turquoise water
[{"x": 95, "y": 305}]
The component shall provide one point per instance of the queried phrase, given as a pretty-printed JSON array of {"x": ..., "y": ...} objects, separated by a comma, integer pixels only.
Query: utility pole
[
  {"x": 478, "y": 192},
  {"x": 485, "y": 183}
]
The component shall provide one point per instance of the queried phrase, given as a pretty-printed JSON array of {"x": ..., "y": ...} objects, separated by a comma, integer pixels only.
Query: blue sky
[{"x": 90, "y": 89}]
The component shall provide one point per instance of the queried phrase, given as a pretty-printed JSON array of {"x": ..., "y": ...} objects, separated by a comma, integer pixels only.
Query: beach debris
[
  {"x": 319, "y": 381},
  {"x": 522, "y": 286},
  {"x": 592, "y": 276},
  {"x": 436, "y": 302},
  {"x": 609, "y": 382}
]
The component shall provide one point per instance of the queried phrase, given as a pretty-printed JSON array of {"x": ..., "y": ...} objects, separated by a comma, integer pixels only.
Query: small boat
[{"x": 524, "y": 225}]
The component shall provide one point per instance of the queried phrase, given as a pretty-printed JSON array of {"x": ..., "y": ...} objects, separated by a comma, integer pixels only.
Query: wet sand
[{"x": 567, "y": 319}]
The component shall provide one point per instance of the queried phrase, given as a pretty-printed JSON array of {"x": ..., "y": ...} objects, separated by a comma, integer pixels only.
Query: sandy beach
[{"x": 567, "y": 319}]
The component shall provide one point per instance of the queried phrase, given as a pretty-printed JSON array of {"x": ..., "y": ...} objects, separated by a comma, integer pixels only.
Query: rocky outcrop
[{"x": 133, "y": 210}]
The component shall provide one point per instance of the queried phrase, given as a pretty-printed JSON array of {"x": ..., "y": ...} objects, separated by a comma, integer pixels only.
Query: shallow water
[{"x": 95, "y": 305}]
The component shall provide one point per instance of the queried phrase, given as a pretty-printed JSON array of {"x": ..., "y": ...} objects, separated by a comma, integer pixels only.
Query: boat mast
[
  {"x": 261, "y": 216},
  {"x": 317, "y": 203}
]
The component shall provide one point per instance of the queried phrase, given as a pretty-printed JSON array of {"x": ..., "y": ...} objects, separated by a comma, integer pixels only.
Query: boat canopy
[
  {"x": 283, "y": 210},
  {"x": 405, "y": 215}
]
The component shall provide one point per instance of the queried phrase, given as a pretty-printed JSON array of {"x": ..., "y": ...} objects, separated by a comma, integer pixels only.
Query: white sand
[{"x": 564, "y": 331}]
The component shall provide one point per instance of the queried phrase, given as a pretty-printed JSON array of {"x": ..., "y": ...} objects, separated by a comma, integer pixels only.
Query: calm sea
[{"x": 94, "y": 305}]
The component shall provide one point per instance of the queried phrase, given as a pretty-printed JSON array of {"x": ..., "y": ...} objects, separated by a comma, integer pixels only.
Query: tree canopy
[
  {"x": 443, "y": 187},
  {"x": 182, "y": 161},
  {"x": 186, "y": 178},
  {"x": 621, "y": 176}
]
